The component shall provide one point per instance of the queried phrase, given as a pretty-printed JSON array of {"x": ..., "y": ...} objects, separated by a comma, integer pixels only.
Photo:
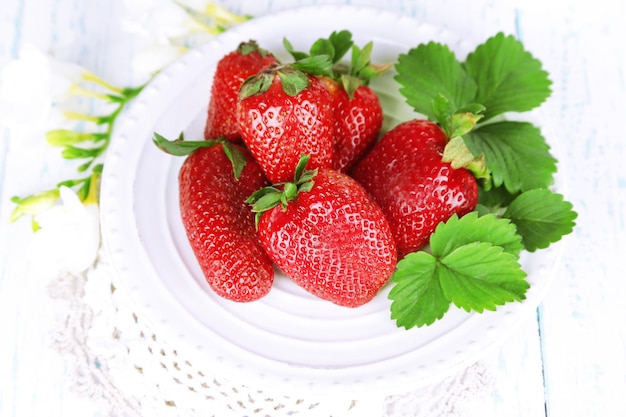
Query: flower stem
[
  {"x": 82, "y": 91},
  {"x": 88, "y": 76},
  {"x": 86, "y": 117}
]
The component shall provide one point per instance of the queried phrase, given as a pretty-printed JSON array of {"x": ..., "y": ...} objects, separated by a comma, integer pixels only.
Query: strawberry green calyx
[
  {"x": 282, "y": 193},
  {"x": 456, "y": 123},
  {"x": 359, "y": 72},
  {"x": 251, "y": 46},
  {"x": 294, "y": 77},
  {"x": 335, "y": 46},
  {"x": 459, "y": 156},
  {"x": 182, "y": 147}
]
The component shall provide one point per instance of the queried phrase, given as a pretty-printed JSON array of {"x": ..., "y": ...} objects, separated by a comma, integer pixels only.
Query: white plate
[{"x": 289, "y": 340}]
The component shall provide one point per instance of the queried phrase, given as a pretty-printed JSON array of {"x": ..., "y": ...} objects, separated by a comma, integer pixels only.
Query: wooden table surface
[{"x": 569, "y": 361}]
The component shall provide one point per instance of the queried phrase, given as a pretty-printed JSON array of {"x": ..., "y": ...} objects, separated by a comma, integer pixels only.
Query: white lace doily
[{"x": 131, "y": 371}]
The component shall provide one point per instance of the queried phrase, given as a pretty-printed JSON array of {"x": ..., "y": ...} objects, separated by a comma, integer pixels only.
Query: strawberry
[
  {"x": 282, "y": 114},
  {"x": 218, "y": 221},
  {"x": 326, "y": 233},
  {"x": 356, "y": 107},
  {"x": 230, "y": 73},
  {"x": 416, "y": 190},
  {"x": 358, "y": 120}
]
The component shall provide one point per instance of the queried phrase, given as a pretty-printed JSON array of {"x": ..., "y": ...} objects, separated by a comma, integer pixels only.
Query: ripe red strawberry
[
  {"x": 356, "y": 107},
  {"x": 218, "y": 221},
  {"x": 284, "y": 113},
  {"x": 231, "y": 71},
  {"x": 358, "y": 120},
  {"x": 404, "y": 173},
  {"x": 327, "y": 235}
]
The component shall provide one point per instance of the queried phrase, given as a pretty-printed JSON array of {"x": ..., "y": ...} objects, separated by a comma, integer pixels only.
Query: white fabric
[{"x": 131, "y": 371}]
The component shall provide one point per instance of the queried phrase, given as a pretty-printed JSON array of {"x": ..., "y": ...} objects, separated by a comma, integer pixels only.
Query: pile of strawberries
[{"x": 293, "y": 173}]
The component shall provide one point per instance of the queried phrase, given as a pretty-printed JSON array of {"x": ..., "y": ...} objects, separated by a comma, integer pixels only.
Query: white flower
[
  {"x": 68, "y": 238},
  {"x": 154, "y": 58},
  {"x": 156, "y": 21},
  {"x": 167, "y": 28},
  {"x": 38, "y": 92},
  {"x": 25, "y": 97}
]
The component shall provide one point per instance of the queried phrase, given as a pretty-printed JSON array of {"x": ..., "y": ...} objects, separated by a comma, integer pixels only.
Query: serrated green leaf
[
  {"x": 495, "y": 198},
  {"x": 457, "y": 232},
  {"x": 417, "y": 297},
  {"x": 509, "y": 78},
  {"x": 431, "y": 69},
  {"x": 480, "y": 276},
  {"x": 516, "y": 154},
  {"x": 542, "y": 217}
]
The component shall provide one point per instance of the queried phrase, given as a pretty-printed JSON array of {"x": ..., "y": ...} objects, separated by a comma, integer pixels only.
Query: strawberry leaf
[
  {"x": 542, "y": 217},
  {"x": 429, "y": 70},
  {"x": 509, "y": 78},
  {"x": 471, "y": 228},
  {"x": 473, "y": 264},
  {"x": 418, "y": 299},
  {"x": 480, "y": 276},
  {"x": 495, "y": 198},
  {"x": 516, "y": 154}
]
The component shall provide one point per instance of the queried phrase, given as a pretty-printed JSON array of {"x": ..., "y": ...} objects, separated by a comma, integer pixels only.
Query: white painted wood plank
[
  {"x": 34, "y": 377},
  {"x": 515, "y": 376},
  {"x": 583, "y": 336}
]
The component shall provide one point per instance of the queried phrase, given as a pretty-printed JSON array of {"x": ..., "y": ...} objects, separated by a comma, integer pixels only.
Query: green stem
[
  {"x": 88, "y": 76},
  {"x": 87, "y": 186},
  {"x": 82, "y": 91}
]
